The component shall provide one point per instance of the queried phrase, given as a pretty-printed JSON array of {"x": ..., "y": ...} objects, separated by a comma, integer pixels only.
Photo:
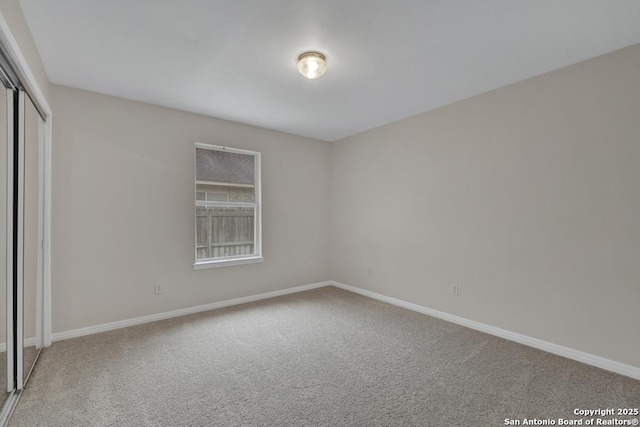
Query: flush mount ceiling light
[{"x": 312, "y": 65}]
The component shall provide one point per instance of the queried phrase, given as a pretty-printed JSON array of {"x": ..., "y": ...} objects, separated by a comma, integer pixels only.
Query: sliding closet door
[
  {"x": 3, "y": 246},
  {"x": 21, "y": 234},
  {"x": 32, "y": 246}
]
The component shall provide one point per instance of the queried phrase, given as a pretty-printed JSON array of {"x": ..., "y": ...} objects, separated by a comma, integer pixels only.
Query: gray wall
[
  {"x": 123, "y": 210},
  {"x": 527, "y": 197}
]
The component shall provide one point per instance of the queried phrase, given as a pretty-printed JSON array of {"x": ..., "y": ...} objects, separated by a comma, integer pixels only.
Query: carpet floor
[{"x": 325, "y": 357}]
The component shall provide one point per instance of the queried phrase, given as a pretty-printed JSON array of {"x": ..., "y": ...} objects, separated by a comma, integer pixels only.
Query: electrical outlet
[
  {"x": 370, "y": 271},
  {"x": 310, "y": 266},
  {"x": 158, "y": 288},
  {"x": 454, "y": 290}
]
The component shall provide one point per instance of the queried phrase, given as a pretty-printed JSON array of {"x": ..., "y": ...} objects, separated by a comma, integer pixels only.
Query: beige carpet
[{"x": 326, "y": 357}]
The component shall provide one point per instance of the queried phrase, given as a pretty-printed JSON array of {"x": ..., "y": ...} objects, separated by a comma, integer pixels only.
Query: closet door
[
  {"x": 32, "y": 239},
  {"x": 21, "y": 235},
  {"x": 8, "y": 261},
  {"x": 5, "y": 376}
]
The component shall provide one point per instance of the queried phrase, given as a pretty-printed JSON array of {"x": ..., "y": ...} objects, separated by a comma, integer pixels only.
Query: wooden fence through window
[{"x": 224, "y": 232}]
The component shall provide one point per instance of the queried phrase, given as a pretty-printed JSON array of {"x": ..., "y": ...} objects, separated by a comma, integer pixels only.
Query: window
[{"x": 227, "y": 202}]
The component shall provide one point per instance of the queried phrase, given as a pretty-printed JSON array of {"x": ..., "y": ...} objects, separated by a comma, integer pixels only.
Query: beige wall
[
  {"x": 123, "y": 210},
  {"x": 527, "y": 197},
  {"x": 12, "y": 13}
]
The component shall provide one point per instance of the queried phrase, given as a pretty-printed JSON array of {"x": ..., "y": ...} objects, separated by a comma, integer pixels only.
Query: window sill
[{"x": 226, "y": 262}]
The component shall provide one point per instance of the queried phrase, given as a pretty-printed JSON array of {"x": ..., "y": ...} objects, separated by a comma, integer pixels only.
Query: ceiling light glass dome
[{"x": 312, "y": 65}]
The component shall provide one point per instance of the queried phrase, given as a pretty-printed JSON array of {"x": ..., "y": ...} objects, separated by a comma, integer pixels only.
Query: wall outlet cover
[{"x": 158, "y": 288}]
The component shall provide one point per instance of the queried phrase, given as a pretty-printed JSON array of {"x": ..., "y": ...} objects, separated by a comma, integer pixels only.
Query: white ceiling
[{"x": 235, "y": 59}]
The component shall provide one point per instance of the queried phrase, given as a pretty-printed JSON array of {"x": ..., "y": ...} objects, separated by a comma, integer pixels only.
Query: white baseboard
[
  {"x": 59, "y": 336},
  {"x": 589, "y": 359},
  {"x": 27, "y": 343}
]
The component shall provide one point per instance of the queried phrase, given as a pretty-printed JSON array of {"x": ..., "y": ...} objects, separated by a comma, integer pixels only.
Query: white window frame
[{"x": 257, "y": 204}]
